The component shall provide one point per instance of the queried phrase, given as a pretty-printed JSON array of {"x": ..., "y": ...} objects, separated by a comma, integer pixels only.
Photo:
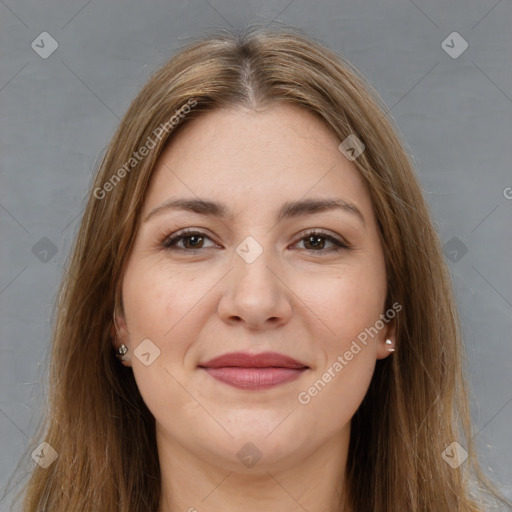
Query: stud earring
[
  {"x": 121, "y": 353},
  {"x": 390, "y": 349}
]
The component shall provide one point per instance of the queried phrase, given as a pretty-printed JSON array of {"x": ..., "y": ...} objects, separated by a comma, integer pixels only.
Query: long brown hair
[{"x": 416, "y": 405}]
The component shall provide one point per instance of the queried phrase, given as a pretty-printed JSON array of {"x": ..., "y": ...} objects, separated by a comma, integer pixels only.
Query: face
[{"x": 269, "y": 250}]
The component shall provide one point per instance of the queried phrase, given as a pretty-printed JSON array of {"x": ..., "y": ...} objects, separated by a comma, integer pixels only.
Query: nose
[{"x": 255, "y": 295}]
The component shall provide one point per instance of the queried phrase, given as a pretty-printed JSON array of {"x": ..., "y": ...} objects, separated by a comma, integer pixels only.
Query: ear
[
  {"x": 386, "y": 335},
  {"x": 119, "y": 335}
]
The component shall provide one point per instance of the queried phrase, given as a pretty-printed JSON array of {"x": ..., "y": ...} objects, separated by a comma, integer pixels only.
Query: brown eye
[
  {"x": 314, "y": 242},
  {"x": 187, "y": 241},
  {"x": 194, "y": 241},
  {"x": 322, "y": 243}
]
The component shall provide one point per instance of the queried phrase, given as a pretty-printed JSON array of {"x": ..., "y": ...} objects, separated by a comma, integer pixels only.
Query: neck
[{"x": 193, "y": 484}]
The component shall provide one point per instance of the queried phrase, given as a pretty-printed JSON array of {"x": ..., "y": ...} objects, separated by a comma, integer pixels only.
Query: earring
[
  {"x": 390, "y": 349},
  {"x": 121, "y": 352}
]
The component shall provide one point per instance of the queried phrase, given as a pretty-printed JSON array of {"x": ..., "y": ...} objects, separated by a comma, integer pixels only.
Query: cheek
[
  {"x": 336, "y": 391},
  {"x": 349, "y": 304},
  {"x": 348, "y": 301},
  {"x": 168, "y": 307},
  {"x": 158, "y": 302}
]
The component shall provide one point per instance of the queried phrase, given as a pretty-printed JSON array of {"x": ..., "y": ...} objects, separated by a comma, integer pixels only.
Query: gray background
[{"x": 59, "y": 113}]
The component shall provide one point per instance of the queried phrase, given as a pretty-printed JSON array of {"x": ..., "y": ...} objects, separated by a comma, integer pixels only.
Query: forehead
[{"x": 260, "y": 159}]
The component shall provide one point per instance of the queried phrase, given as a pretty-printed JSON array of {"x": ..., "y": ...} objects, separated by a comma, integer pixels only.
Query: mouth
[{"x": 254, "y": 371}]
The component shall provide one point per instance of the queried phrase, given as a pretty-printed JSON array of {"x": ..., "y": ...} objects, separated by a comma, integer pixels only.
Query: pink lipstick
[{"x": 254, "y": 371}]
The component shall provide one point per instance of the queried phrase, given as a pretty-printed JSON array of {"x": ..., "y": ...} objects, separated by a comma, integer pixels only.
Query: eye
[
  {"x": 187, "y": 240},
  {"x": 319, "y": 241}
]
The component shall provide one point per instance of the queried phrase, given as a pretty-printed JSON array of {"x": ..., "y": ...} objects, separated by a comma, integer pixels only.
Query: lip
[
  {"x": 254, "y": 371},
  {"x": 246, "y": 360}
]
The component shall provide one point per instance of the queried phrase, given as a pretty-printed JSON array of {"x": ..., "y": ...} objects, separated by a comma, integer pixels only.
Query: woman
[{"x": 257, "y": 253}]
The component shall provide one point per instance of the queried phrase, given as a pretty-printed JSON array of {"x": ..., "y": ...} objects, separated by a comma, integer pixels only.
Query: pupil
[
  {"x": 193, "y": 240},
  {"x": 316, "y": 241}
]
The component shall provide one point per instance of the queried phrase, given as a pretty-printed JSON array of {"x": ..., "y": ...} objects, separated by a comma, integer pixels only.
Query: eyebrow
[{"x": 288, "y": 210}]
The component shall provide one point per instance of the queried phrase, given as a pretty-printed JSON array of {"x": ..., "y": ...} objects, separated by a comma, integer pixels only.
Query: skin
[{"x": 297, "y": 298}]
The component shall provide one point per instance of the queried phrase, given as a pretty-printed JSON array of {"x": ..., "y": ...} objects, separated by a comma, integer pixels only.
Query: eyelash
[{"x": 169, "y": 243}]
